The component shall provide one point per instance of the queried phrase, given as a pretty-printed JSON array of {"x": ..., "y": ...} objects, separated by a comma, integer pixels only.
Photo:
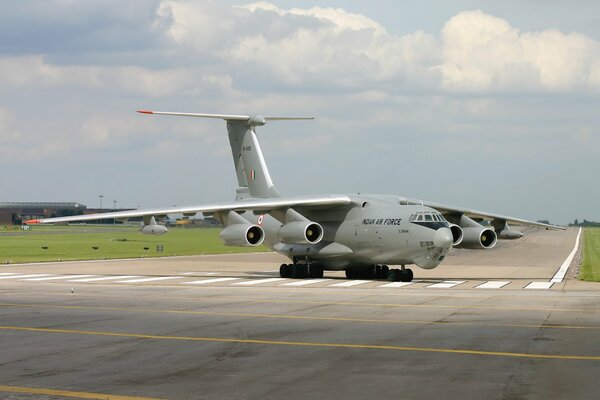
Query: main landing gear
[
  {"x": 300, "y": 271},
  {"x": 400, "y": 275},
  {"x": 373, "y": 272}
]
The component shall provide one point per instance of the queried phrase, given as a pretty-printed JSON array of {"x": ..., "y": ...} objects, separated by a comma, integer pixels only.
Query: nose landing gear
[{"x": 400, "y": 275}]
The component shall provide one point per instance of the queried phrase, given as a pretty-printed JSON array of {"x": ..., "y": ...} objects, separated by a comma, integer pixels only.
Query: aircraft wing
[
  {"x": 480, "y": 215},
  {"x": 265, "y": 205}
]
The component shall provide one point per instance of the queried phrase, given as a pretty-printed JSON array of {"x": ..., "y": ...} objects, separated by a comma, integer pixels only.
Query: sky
[{"x": 487, "y": 105}]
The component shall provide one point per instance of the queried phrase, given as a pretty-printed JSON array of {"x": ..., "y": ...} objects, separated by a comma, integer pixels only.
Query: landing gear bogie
[{"x": 400, "y": 275}]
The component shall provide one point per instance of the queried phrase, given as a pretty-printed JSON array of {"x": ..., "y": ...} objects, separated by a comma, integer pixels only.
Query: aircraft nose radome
[{"x": 443, "y": 238}]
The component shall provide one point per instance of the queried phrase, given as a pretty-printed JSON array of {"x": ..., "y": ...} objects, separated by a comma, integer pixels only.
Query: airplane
[{"x": 361, "y": 234}]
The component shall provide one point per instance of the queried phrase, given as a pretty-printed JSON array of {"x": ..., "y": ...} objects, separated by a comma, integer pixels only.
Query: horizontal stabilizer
[{"x": 252, "y": 120}]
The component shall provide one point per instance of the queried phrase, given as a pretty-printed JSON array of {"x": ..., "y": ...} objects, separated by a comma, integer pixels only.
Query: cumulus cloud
[{"x": 8, "y": 129}]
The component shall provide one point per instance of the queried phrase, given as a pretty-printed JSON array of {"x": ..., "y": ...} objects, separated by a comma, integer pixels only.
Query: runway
[{"x": 227, "y": 327}]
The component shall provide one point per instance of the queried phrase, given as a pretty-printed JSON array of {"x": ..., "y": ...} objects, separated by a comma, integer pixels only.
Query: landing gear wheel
[
  {"x": 406, "y": 275},
  {"x": 394, "y": 275},
  {"x": 381, "y": 271},
  {"x": 299, "y": 271},
  {"x": 284, "y": 271},
  {"x": 350, "y": 274},
  {"x": 315, "y": 271}
]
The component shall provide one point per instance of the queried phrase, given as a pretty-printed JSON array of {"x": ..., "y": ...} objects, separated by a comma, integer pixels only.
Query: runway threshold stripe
[
  {"x": 307, "y": 344},
  {"x": 23, "y": 276},
  {"x": 305, "y": 282},
  {"x": 492, "y": 285},
  {"x": 259, "y": 281},
  {"x": 207, "y": 281},
  {"x": 58, "y": 277},
  {"x": 69, "y": 393},
  {"x": 10, "y": 273},
  {"x": 349, "y": 283},
  {"x": 158, "y": 278},
  {"x": 445, "y": 285},
  {"x": 562, "y": 271},
  {"x": 105, "y": 278},
  {"x": 539, "y": 285},
  {"x": 395, "y": 284}
]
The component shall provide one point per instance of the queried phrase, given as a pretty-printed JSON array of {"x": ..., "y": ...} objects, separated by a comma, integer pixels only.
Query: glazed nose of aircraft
[{"x": 443, "y": 238}]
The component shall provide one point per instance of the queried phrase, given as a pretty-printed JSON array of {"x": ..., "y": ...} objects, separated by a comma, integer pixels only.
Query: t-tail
[{"x": 253, "y": 175}]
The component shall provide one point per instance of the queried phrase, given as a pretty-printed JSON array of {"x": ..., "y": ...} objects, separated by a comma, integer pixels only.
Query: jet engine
[
  {"x": 301, "y": 232},
  {"x": 478, "y": 238},
  {"x": 155, "y": 229},
  {"x": 245, "y": 235},
  {"x": 457, "y": 234}
]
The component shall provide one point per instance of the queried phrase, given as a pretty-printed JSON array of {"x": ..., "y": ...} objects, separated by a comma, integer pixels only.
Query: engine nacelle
[
  {"x": 245, "y": 235},
  {"x": 457, "y": 234},
  {"x": 301, "y": 232},
  {"x": 509, "y": 234},
  {"x": 154, "y": 229},
  {"x": 478, "y": 238}
]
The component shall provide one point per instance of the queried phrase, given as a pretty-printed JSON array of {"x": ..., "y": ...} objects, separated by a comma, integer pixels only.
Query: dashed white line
[
  {"x": 58, "y": 277},
  {"x": 539, "y": 285},
  {"x": 23, "y": 276},
  {"x": 259, "y": 281},
  {"x": 207, "y": 281},
  {"x": 445, "y": 284},
  {"x": 395, "y": 284},
  {"x": 305, "y": 282},
  {"x": 105, "y": 278},
  {"x": 349, "y": 283},
  {"x": 158, "y": 278},
  {"x": 492, "y": 285},
  {"x": 11, "y": 273}
]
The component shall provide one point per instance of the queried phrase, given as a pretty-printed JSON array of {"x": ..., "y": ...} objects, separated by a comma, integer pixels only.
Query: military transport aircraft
[{"x": 360, "y": 234}]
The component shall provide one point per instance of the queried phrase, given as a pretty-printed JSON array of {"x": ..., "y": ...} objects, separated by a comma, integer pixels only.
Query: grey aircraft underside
[{"x": 361, "y": 234}]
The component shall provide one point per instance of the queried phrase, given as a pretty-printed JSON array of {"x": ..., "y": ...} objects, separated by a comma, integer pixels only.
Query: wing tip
[
  {"x": 145, "y": 112},
  {"x": 32, "y": 222}
]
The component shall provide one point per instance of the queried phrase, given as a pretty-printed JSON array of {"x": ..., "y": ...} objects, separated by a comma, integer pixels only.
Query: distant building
[{"x": 14, "y": 213}]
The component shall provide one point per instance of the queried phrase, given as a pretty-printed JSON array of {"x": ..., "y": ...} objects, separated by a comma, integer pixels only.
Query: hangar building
[{"x": 14, "y": 213}]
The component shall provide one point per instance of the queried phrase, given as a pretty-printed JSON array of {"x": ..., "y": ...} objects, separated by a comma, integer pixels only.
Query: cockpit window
[{"x": 428, "y": 217}]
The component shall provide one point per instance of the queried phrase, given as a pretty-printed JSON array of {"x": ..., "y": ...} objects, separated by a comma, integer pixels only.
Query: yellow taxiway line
[
  {"x": 307, "y": 344},
  {"x": 300, "y": 317},
  {"x": 69, "y": 393}
]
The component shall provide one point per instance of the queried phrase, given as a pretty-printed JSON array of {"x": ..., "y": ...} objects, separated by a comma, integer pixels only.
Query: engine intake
[
  {"x": 301, "y": 232},
  {"x": 457, "y": 234},
  {"x": 245, "y": 235}
]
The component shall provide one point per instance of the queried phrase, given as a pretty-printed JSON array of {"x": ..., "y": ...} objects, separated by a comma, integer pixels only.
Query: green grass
[
  {"x": 590, "y": 268},
  {"x": 77, "y": 242}
]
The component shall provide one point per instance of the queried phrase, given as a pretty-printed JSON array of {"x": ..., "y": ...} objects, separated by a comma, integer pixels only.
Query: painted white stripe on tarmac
[
  {"x": 349, "y": 283},
  {"x": 11, "y": 273},
  {"x": 105, "y": 278},
  {"x": 395, "y": 284},
  {"x": 562, "y": 271},
  {"x": 58, "y": 277},
  {"x": 259, "y": 281},
  {"x": 158, "y": 278},
  {"x": 207, "y": 281},
  {"x": 23, "y": 276},
  {"x": 492, "y": 285},
  {"x": 305, "y": 282},
  {"x": 445, "y": 284},
  {"x": 539, "y": 285}
]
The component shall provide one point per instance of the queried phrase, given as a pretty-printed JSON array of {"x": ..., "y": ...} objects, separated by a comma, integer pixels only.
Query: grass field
[
  {"x": 590, "y": 268},
  {"x": 52, "y": 243}
]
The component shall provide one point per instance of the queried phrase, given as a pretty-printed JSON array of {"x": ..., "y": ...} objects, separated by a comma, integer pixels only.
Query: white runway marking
[
  {"x": 349, "y": 283},
  {"x": 445, "y": 284},
  {"x": 396, "y": 284},
  {"x": 23, "y": 276},
  {"x": 259, "y": 281},
  {"x": 11, "y": 273},
  {"x": 158, "y": 278},
  {"x": 492, "y": 285},
  {"x": 58, "y": 277},
  {"x": 200, "y": 273},
  {"x": 305, "y": 282},
  {"x": 539, "y": 285},
  {"x": 206, "y": 281},
  {"x": 271, "y": 270},
  {"x": 562, "y": 271},
  {"x": 105, "y": 278}
]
